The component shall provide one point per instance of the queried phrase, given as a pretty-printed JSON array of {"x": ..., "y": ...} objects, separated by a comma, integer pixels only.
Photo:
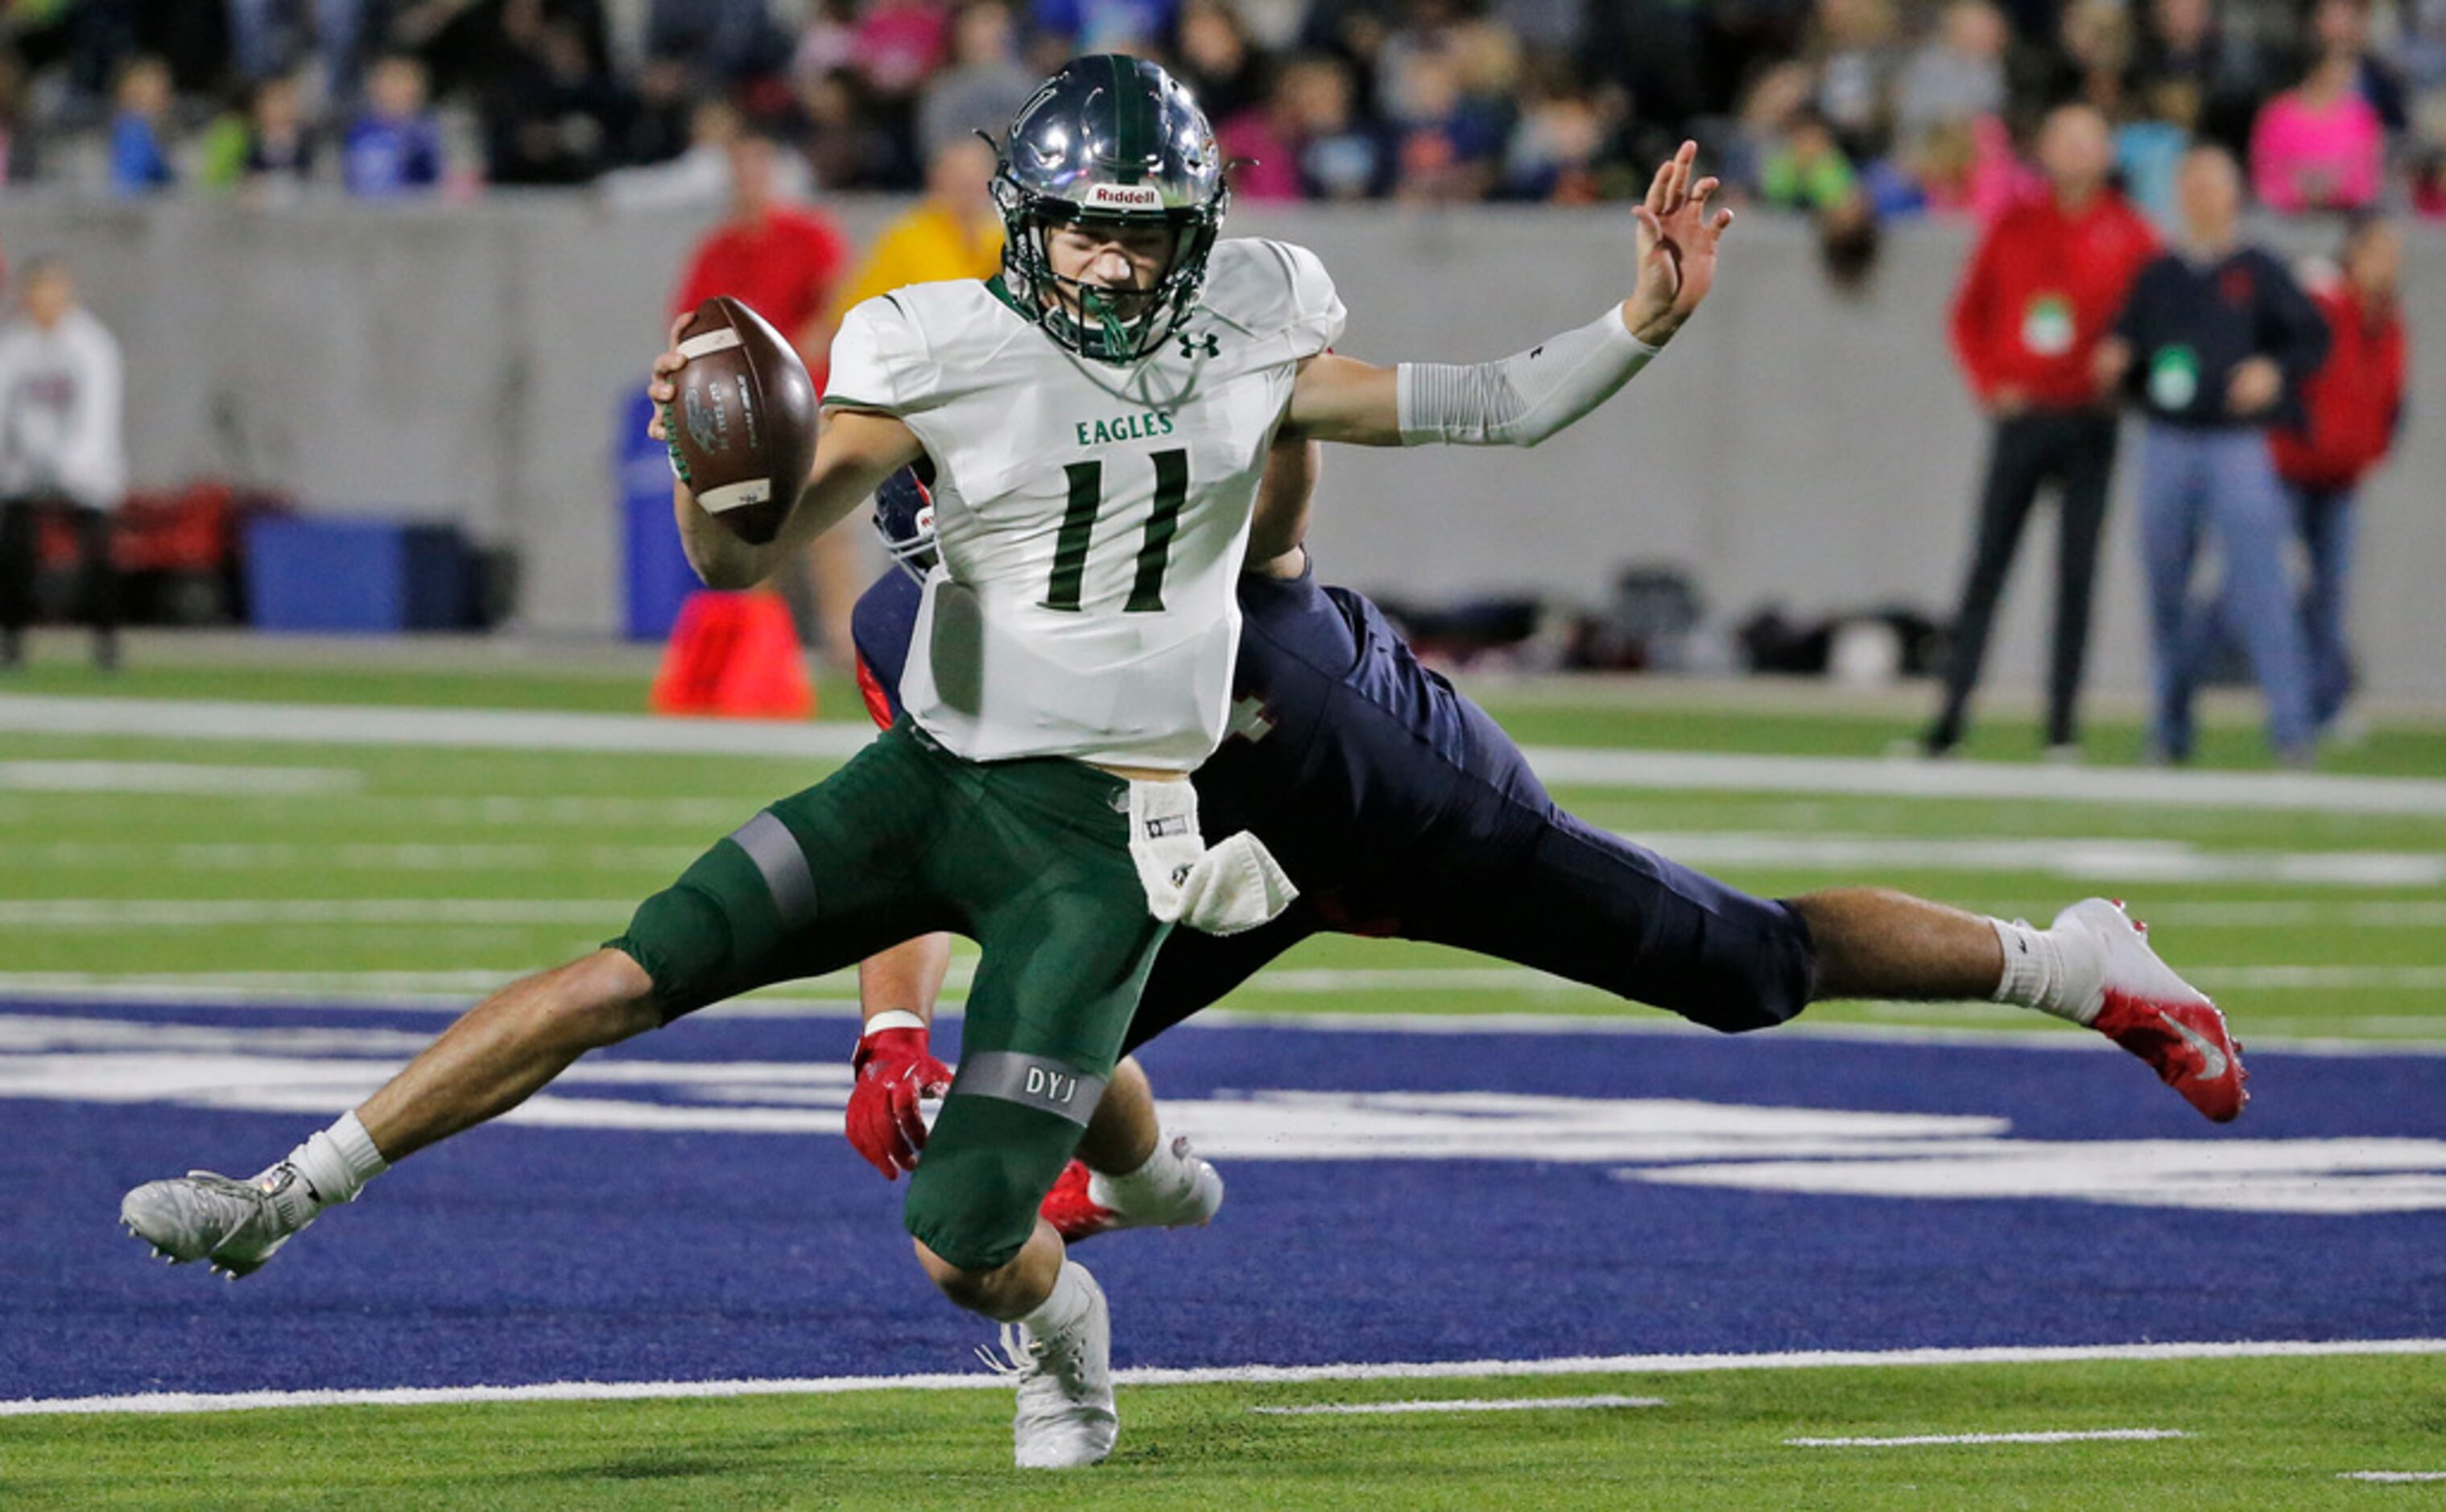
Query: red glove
[{"x": 895, "y": 1068}]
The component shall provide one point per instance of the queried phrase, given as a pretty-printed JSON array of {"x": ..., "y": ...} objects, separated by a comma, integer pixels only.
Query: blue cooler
[
  {"x": 659, "y": 577},
  {"x": 368, "y": 577}
]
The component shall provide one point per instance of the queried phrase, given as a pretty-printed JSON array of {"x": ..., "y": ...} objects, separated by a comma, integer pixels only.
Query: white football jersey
[{"x": 1092, "y": 518}]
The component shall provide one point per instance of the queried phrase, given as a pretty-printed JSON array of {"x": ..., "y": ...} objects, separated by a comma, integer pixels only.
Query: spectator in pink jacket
[{"x": 2320, "y": 145}]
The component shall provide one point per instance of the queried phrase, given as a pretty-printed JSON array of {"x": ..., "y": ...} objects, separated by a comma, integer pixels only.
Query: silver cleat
[{"x": 204, "y": 1216}]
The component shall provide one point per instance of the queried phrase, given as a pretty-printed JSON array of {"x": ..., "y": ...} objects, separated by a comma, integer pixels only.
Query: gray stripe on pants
[
  {"x": 769, "y": 843},
  {"x": 1032, "y": 1081}
]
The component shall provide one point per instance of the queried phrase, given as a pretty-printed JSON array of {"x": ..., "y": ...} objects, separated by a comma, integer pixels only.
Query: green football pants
[{"x": 1030, "y": 859}]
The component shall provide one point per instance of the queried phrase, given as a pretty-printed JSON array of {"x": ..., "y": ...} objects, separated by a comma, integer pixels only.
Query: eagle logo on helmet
[{"x": 1108, "y": 138}]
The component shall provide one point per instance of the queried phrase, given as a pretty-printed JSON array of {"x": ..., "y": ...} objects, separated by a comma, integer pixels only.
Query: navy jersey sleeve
[{"x": 882, "y": 626}]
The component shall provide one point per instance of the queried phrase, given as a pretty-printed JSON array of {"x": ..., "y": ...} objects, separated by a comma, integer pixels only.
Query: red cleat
[
  {"x": 1073, "y": 1214},
  {"x": 1072, "y": 1209},
  {"x": 2158, "y": 1017}
]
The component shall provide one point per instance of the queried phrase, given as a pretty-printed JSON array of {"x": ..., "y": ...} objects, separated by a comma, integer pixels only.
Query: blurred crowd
[{"x": 1853, "y": 110}]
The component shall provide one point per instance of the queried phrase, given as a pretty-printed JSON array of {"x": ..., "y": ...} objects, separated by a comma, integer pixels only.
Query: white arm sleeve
[{"x": 1526, "y": 397}]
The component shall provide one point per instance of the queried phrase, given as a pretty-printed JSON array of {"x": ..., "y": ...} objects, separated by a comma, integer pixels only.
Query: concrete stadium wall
[{"x": 464, "y": 362}]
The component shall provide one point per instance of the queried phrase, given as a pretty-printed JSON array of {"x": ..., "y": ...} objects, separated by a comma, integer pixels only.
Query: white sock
[
  {"x": 1159, "y": 1182},
  {"x": 1065, "y": 1305},
  {"x": 337, "y": 1162},
  {"x": 2049, "y": 971}
]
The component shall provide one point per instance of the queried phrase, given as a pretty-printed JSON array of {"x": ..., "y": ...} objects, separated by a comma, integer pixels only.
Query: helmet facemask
[{"x": 1112, "y": 141}]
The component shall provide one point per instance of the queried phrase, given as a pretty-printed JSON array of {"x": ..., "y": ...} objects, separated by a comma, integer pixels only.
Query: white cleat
[
  {"x": 1066, "y": 1416},
  {"x": 204, "y": 1216},
  {"x": 2144, "y": 1006},
  {"x": 1079, "y": 1205}
]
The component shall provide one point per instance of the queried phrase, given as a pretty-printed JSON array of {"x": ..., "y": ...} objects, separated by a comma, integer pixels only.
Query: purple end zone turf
[{"x": 523, "y": 1253}]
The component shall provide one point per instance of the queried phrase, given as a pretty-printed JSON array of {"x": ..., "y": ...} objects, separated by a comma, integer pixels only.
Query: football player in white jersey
[{"x": 1097, "y": 421}]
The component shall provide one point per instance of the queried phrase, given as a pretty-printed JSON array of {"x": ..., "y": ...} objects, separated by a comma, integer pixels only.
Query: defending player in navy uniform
[
  {"x": 1399, "y": 809},
  {"x": 1099, "y": 419}
]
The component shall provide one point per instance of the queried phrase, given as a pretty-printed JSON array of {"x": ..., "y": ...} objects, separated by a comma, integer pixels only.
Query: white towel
[{"x": 1223, "y": 889}]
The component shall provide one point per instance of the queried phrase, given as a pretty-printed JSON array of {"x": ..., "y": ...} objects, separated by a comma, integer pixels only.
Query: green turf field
[
  {"x": 400, "y": 873},
  {"x": 2256, "y": 1433},
  {"x": 391, "y": 870}
]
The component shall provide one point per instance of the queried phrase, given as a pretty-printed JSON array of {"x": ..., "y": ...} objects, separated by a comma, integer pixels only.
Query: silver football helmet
[{"x": 1110, "y": 138}]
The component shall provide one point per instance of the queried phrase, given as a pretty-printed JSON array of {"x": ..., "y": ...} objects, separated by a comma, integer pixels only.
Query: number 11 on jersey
[{"x": 1079, "y": 529}]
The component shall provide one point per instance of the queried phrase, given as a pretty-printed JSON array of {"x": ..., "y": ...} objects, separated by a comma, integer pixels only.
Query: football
[{"x": 742, "y": 429}]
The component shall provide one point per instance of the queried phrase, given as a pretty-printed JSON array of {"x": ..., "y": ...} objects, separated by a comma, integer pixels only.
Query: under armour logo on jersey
[{"x": 1190, "y": 344}]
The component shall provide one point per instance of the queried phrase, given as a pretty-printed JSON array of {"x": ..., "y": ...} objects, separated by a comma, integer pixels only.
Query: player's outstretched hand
[
  {"x": 896, "y": 1068},
  {"x": 1677, "y": 247},
  {"x": 659, "y": 387}
]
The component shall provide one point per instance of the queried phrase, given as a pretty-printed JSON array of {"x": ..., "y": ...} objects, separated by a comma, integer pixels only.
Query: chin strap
[{"x": 1098, "y": 306}]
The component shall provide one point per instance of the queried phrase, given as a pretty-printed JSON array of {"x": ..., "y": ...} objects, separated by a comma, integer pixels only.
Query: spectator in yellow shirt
[{"x": 953, "y": 233}]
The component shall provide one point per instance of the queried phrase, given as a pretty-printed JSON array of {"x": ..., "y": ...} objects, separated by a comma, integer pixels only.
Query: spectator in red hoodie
[
  {"x": 786, "y": 262},
  {"x": 2044, "y": 285},
  {"x": 2352, "y": 408}
]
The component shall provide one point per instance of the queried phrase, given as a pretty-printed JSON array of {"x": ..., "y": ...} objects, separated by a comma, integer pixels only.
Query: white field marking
[
  {"x": 289, "y": 985},
  {"x": 1680, "y": 1142},
  {"x": 1330, "y": 979},
  {"x": 2058, "y": 1436},
  {"x": 2312, "y": 1175},
  {"x": 507, "y": 730},
  {"x": 2090, "y": 861},
  {"x": 1460, "y": 1404},
  {"x": 449, "y": 729},
  {"x": 2413, "y": 915},
  {"x": 1224, "y": 1375},
  {"x": 451, "y": 992},
  {"x": 174, "y": 776},
  {"x": 222, "y": 913},
  {"x": 406, "y": 992},
  {"x": 2393, "y": 1477},
  {"x": 1716, "y": 771},
  {"x": 2324, "y": 978},
  {"x": 2093, "y": 861},
  {"x": 352, "y": 856}
]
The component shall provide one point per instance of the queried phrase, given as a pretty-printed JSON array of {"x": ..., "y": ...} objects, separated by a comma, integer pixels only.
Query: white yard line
[
  {"x": 2091, "y": 864},
  {"x": 1245, "y": 1374},
  {"x": 2085, "y": 860},
  {"x": 503, "y": 729},
  {"x": 222, "y": 913},
  {"x": 451, "y": 992},
  {"x": 1868, "y": 777},
  {"x": 176, "y": 913},
  {"x": 2413, "y": 915},
  {"x": 174, "y": 777},
  {"x": 2058, "y": 1436},
  {"x": 449, "y": 729},
  {"x": 2393, "y": 1477},
  {"x": 1462, "y": 1403}
]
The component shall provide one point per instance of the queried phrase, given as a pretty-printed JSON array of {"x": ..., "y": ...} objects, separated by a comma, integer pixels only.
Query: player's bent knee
[
  {"x": 973, "y": 1198},
  {"x": 680, "y": 940},
  {"x": 976, "y": 1290},
  {"x": 971, "y": 1211},
  {"x": 1754, "y": 978},
  {"x": 606, "y": 997}
]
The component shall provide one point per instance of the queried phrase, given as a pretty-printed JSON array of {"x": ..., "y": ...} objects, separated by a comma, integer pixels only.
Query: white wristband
[
  {"x": 892, "y": 1018},
  {"x": 1526, "y": 397}
]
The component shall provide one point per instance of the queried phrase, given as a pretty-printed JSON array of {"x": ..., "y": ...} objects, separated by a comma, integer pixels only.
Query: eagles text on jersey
[{"x": 1092, "y": 517}]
